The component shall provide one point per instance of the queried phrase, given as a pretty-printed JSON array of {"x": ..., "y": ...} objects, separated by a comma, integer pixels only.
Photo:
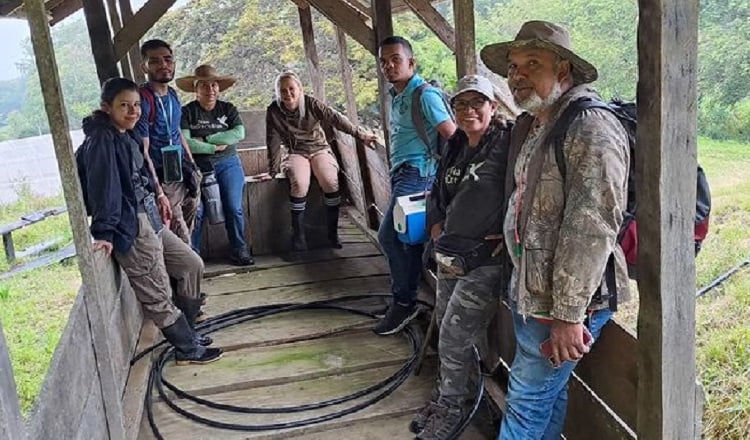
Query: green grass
[
  {"x": 723, "y": 316},
  {"x": 34, "y": 306}
]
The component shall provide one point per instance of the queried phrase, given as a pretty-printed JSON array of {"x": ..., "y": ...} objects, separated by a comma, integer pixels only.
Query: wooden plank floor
[{"x": 303, "y": 356}]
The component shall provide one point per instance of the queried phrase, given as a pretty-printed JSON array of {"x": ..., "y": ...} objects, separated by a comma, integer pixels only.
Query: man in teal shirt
[{"x": 413, "y": 168}]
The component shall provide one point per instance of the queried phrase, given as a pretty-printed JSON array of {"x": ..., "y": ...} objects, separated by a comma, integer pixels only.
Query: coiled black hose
[{"x": 377, "y": 391}]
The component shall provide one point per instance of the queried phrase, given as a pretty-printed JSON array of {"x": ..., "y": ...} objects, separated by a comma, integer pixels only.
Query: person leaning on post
[
  {"x": 468, "y": 251},
  {"x": 294, "y": 119},
  {"x": 127, "y": 221},
  {"x": 560, "y": 232},
  {"x": 213, "y": 128}
]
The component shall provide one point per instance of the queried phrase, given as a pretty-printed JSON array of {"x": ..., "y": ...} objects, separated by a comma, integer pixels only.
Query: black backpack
[
  {"x": 626, "y": 114},
  {"x": 417, "y": 117}
]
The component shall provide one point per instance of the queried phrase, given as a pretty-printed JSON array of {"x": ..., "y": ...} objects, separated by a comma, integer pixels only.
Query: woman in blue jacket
[{"x": 126, "y": 222}]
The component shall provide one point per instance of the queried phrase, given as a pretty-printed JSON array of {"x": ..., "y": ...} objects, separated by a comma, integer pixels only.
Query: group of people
[{"x": 503, "y": 222}]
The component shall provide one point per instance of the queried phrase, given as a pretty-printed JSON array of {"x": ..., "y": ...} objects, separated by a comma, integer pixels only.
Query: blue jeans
[
  {"x": 404, "y": 261},
  {"x": 231, "y": 179},
  {"x": 538, "y": 392}
]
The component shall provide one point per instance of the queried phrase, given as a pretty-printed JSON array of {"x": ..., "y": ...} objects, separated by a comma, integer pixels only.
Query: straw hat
[
  {"x": 204, "y": 72},
  {"x": 539, "y": 35}
]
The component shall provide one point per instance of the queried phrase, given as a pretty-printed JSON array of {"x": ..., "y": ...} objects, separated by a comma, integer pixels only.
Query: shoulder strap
[
  {"x": 148, "y": 95},
  {"x": 417, "y": 116},
  {"x": 560, "y": 129}
]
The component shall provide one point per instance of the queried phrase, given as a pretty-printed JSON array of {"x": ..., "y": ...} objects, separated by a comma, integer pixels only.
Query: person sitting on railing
[
  {"x": 127, "y": 221},
  {"x": 468, "y": 250},
  {"x": 212, "y": 129},
  {"x": 294, "y": 120}
]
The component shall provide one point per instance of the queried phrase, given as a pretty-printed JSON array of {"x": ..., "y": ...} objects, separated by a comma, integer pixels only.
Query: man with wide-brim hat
[
  {"x": 569, "y": 163},
  {"x": 213, "y": 128},
  {"x": 204, "y": 72}
]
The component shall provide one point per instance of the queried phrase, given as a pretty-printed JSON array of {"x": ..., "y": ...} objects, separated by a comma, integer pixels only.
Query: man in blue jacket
[{"x": 413, "y": 167}]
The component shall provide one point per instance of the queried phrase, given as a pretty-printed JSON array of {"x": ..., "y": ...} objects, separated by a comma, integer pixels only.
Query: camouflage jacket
[{"x": 570, "y": 230}]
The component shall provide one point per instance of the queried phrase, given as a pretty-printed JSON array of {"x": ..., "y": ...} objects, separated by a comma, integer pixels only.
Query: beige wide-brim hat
[
  {"x": 204, "y": 72},
  {"x": 539, "y": 35}
]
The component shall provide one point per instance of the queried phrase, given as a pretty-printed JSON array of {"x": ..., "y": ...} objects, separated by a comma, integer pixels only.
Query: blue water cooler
[{"x": 410, "y": 217}]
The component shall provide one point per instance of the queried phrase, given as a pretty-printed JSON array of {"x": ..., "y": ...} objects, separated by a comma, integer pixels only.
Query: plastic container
[
  {"x": 212, "y": 207},
  {"x": 409, "y": 218}
]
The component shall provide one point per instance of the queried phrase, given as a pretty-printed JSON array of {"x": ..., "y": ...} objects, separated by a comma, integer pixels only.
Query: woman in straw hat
[
  {"x": 295, "y": 120},
  {"x": 213, "y": 128}
]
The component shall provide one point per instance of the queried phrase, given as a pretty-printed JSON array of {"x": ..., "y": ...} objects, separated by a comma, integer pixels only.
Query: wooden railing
[{"x": 71, "y": 403}]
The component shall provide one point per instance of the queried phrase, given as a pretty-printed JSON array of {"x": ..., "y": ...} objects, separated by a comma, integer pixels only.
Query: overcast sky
[{"x": 13, "y": 32}]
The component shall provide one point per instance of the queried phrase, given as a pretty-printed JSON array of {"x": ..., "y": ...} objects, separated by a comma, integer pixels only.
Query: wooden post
[
  {"x": 311, "y": 52},
  {"x": 666, "y": 160},
  {"x": 466, "y": 53},
  {"x": 383, "y": 26},
  {"x": 346, "y": 76},
  {"x": 101, "y": 40},
  {"x": 134, "y": 53},
  {"x": 11, "y": 423},
  {"x": 58, "y": 123},
  {"x": 114, "y": 20}
]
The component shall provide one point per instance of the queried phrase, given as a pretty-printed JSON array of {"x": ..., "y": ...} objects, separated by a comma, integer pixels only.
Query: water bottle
[{"x": 212, "y": 208}]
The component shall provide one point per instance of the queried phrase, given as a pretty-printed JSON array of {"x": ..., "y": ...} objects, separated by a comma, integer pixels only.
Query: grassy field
[
  {"x": 723, "y": 315},
  {"x": 34, "y": 306}
]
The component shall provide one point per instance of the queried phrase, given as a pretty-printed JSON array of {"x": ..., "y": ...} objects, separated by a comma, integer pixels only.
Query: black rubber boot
[
  {"x": 187, "y": 350},
  {"x": 191, "y": 308},
  {"x": 299, "y": 242},
  {"x": 333, "y": 226}
]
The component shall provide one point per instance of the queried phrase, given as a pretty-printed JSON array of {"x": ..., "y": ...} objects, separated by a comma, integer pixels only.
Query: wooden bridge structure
[{"x": 625, "y": 388}]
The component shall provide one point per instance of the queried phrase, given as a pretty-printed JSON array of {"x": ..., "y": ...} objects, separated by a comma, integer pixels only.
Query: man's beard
[
  {"x": 534, "y": 104},
  {"x": 162, "y": 80}
]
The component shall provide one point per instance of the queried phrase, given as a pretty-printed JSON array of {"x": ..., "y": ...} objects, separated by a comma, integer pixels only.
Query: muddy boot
[
  {"x": 333, "y": 202},
  {"x": 299, "y": 243},
  {"x": 443, "y": 423},
  {"x": 420, "y": 418},
  {"x": 187, "y": 350},
  {"x": 191, "y": 309}
]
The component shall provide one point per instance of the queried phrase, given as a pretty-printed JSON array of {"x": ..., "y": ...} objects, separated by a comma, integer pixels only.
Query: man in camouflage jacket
[{"x": 560, "y": 229}]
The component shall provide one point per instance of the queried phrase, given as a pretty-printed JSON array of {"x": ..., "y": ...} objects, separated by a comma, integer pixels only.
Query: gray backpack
[{"x": 417, "y": 116}]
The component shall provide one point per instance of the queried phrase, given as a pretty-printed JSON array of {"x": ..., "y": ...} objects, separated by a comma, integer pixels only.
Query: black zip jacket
[
  {"x": 106, "y": 165},
  {"x": 468, "y": 195}
]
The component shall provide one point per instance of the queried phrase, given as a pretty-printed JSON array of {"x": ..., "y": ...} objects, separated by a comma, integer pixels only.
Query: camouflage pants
[{"x": 465, "y": 306}]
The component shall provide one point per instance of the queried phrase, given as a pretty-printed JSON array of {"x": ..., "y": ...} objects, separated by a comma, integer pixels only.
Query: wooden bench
[{"x": 29, "y": 219}]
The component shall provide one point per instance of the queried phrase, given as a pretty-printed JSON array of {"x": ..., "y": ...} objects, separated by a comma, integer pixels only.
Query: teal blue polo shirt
[{"x": 406, "y": 146}]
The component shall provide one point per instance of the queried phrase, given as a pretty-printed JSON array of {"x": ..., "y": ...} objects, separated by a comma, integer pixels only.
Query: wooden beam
[
  {"x": 64, "y": 10},
  {"x": 137, "y": 27},
  {"x": 116, "y": 24},
  {"x": 346, "y": 76},
  {"x": 311, "y": 52},
  {"x": 53, "y": 103},
  {"x": 466, "y": 53},
  {"x": 134, "y": 53},
  {"x": 666, "y": 160},
  {"x": 424, "y": 10},
  {"x": 101, "y": 40},
  {"x": 348, "y": 19},
  {"x": 383, "y": 24},
  {"x": 11, "y": 423}
]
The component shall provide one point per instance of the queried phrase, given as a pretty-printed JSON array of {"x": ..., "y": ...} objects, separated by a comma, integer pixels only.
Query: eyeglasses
[{"x": 462, "y": 106}]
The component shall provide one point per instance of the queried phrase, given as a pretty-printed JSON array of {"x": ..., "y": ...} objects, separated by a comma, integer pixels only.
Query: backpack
[
  {"x": 417, "y": 117},
  {"x": 148, "y": 95},
  {"x": 627, "y": 236}
]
